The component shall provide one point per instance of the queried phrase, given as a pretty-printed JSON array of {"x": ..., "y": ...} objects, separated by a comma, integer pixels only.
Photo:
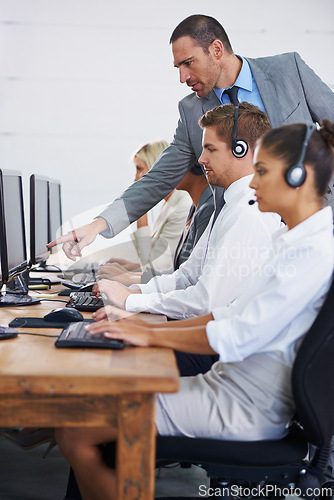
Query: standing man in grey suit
[{"x": 283, "y": 86}]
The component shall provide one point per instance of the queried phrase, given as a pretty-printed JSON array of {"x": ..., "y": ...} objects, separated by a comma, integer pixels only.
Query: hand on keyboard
[
  {"x": 84, "y": 278},
  {"x": 111, "y": 313},
  {"x": 75, "y": 335},
  {"x": 116, "y": 272},
  {"x": 128, "y": 330},
  {"x": 116, "y": 292}
]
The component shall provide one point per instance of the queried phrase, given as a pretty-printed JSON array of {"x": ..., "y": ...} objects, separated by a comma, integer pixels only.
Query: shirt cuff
[
  {"x": 109, "y": 233},
  {"x": 142, "y": 232},
  {"x": 219, "y": 313},
  {"x": 211, "y": 334},
  {"x": 220, "y": 337},
  {"x": 136, "y": 303},
  {"x": 145, "y": 288}
]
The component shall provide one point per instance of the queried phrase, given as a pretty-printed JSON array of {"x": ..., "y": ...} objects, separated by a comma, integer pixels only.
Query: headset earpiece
[
  {"x": 197, "y": 169},
  {"x": 295, "y": 175},
  {"x": 239, "y": 147}
]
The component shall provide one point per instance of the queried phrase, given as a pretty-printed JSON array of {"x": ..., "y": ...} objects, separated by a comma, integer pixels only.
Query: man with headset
[
  {"x": 234, "y": 245},
  {"x": 283, "y": 86}
]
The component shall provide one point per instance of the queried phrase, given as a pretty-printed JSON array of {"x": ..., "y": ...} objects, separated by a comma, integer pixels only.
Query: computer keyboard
[
  {"x": 75, "y": 335},
  {"x": 13, "y": 299},
  {"x": 85, "y": 301},
  {"x": 84, "y": 269},
  {"x": 84, "y": 278}
]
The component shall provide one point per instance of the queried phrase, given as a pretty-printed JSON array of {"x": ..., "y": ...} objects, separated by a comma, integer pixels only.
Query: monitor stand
[
  {"x": 44, "y": 268},
  {"x": 16, "y": 294},
  {"x": 28, "y": 280},
  {"x": 34, "y": 281}
]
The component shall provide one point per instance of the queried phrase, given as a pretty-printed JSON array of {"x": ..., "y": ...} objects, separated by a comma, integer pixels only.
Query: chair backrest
[{"x": 313, "y": 376}]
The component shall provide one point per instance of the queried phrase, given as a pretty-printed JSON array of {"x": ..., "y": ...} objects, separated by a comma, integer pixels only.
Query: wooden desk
[{"x": 43, "y": 386}]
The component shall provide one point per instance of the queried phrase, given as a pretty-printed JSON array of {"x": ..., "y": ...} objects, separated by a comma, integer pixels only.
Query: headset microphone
[
  {"x": 251, "y": 202},
  {"x": 239, "y": 147}
]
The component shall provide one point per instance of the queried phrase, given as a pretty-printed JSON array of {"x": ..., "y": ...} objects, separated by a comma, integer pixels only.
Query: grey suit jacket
[{"x": 290, "y": 91}]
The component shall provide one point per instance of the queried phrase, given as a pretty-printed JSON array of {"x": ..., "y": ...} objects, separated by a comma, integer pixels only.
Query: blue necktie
[{"x": 233, "y": 95}]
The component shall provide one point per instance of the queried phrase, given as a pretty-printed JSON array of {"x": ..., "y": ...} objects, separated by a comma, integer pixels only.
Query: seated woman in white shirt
[
  {"x": 247, "y": 394},
  {"x": 155, "y": 245}
]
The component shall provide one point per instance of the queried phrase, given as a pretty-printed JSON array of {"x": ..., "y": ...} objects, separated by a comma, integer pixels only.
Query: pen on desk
[{"x": 38, "y": 287}]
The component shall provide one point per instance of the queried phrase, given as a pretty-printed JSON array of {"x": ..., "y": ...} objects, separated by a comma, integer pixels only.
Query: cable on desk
[
  {"x": 22, "y": 325},
  {"x": 54, "y": 300},
  {"x": 37, "y": 334}
]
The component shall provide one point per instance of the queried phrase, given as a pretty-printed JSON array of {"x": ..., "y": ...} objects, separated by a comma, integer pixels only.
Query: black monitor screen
[
  {"x": 39, "y": 219},
  {"x": 12, "y": 228},
  {"x": 55, "y": 214}
]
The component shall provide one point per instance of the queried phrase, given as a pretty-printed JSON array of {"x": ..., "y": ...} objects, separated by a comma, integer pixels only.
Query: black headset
[
  {"x": 295, "y": 175},
  {"x": 239, "y": 147},
  {"x": 197, "y": 169}
]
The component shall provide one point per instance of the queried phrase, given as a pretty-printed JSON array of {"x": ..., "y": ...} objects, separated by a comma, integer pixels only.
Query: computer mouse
[
  {"x": 64, "y": 315},
  {"x": 7, "y": 333},
  {"x": 71, "y": 286}
]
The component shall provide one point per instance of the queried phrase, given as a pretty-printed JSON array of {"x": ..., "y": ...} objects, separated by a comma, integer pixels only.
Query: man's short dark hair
[
  {"x": 252, "y": 123},
  {"x": 203, "y": 30}
]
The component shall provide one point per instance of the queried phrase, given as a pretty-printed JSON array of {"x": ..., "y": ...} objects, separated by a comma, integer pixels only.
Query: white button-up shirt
[
  {"x": 220, "y": 266},
  {"x": 281, "y": 303}
]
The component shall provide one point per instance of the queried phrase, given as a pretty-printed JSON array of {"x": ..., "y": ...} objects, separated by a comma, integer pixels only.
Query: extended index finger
[{"x": 69, "y": 237}]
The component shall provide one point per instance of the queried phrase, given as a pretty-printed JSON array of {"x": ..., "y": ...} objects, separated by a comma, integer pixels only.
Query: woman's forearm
[
  {"x": 186, "y": 323},
  {"x": 192, "y": 340}
]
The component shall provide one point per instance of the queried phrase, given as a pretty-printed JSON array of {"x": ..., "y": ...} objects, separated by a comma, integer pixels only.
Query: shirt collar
[
  {"x": 239, "y": 189},
  {"x": 313, "y": 224},
  {"x": 244, "y": 80}
]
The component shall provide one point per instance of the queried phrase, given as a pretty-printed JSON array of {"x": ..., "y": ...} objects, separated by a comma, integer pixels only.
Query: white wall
[{"x": 84, "y": 82}]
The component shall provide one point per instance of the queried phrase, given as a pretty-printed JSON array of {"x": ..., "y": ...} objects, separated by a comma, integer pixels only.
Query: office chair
[{"x": 273, "y": 468}]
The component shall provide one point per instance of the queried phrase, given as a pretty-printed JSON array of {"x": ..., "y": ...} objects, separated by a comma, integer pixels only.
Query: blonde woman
[{"x": 155, "y": 246}]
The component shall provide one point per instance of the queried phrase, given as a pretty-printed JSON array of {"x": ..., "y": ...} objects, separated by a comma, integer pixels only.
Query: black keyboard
[
  {"x": 84, "y": 278},
  {"x": 13, "y": 299},
  {"x": 75, "y": 335},
  {"x": 85, "y": 301}
]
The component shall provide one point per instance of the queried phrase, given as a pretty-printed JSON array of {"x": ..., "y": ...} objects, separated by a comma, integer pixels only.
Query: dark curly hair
[{"x": 286, "y": 143}]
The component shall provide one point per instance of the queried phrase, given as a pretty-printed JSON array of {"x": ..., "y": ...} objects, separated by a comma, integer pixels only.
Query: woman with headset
[{"x": 247, "y": 394}]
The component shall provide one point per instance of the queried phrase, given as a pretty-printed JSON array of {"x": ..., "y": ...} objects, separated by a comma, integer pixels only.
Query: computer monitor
[
  {"x": 12, "y": 228},
  {"x": 13, "y": 252},
  {"x": 55, "y": 209},
  {"x": 39, "y": 219},
  {"x": 45, "y": 221}
]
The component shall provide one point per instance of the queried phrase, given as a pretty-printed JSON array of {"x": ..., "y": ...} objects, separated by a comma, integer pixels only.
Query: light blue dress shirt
[{"x": 248, "y": 90}]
